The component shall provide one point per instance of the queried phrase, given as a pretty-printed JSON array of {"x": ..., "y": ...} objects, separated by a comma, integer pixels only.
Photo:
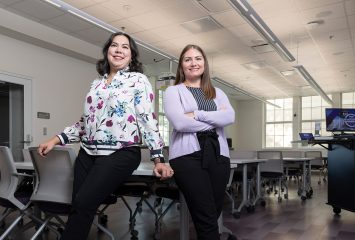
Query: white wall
[{"x": 59, "y": 83}]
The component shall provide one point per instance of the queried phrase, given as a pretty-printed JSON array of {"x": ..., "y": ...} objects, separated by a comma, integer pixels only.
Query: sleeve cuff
[
  {"x": 63, "y": 138},
  {"x": 157, "y": 154}
]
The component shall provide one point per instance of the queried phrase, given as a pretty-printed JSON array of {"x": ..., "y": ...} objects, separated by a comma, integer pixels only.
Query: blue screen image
[{"x": 340, "y": 119}]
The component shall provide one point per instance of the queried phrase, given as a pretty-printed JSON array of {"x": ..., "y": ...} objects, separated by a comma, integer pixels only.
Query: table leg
[
  {"x": 245, "y": 186},
  {"x": 258, "y": 184},
  {"x": 304, "y": 192}
]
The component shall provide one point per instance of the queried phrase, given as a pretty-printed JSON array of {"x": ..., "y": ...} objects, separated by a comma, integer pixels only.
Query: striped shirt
[{"x": 202, "y": 102}]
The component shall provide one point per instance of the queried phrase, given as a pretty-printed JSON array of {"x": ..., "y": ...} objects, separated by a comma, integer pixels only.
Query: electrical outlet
[{"x": 44, "y": 131}]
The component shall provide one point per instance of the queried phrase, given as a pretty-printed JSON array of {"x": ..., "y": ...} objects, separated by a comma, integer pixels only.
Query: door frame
[{"x": 26, "y": 82}]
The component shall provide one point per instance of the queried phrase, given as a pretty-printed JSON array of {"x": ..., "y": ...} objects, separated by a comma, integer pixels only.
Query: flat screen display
[{"x": 340, "y": 119}]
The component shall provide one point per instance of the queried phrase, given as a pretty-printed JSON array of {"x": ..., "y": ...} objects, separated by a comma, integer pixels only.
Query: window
[
  {"x": 313, "y": 111},
  {"x": 348, "y": 100},
  {"x": 162, "y": 120},
  {"x": 278, "y": 129}
]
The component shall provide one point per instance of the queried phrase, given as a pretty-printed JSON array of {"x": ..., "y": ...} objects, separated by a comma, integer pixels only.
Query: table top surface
[
  {"x": 297, "y": 159},
  {"x": 246, "y": 160}
]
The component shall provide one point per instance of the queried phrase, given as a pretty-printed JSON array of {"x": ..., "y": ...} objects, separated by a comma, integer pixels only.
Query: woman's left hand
[{"x": 163, "y": 171}]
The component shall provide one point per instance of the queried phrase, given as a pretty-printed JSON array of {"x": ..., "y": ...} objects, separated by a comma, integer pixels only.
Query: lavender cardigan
[{"x": 178, "y": 100}]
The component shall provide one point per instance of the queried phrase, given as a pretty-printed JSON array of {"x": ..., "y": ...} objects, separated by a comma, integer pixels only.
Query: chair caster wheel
[{"x": 236, "y": 215}]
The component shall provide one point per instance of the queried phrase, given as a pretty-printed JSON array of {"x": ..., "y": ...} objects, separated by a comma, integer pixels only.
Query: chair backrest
[
  {"x": 26, "y": 155},
  {"x": 8, "y": 177},
  {"x": 145, "y": 154},
  {"x": 242, "y": 154},
  {"x": 274, "y": 161},
  {"x": 318, "y": 158},
  {"x": 54, "y": 175},
  {"x": 292, "y": 154}
]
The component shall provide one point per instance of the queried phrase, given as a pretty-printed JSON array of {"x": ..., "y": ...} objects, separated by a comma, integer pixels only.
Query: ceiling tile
[
  {"x": 79, "y": 4},
  {"x": 70, "y": 23},
  {"x": 95, "y": 35},
  {"x": 229, "y": 18},
  {"x": 126, "y": 26},
  {"x": 102, "y": 13},
  {"x": 350, "y": 7},
  {"x": 9, "y": 2},
  {"x": 308, "y": 4},
  {"x": 130, "y": 8},
  {"x": 37, "y": 8},
  {"x": 326, "y": 12}
]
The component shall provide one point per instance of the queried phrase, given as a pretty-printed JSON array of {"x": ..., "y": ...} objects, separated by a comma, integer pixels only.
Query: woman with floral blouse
[{"x": 118, "y": 111}]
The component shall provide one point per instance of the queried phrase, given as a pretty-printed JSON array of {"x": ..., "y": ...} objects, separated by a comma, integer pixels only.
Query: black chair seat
[
  {"x": 133, "y": 190},
  {"x": 168, "y": 192}
]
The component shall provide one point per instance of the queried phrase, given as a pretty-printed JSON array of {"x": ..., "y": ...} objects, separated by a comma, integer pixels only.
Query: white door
[{"x": 15, "y": 108}]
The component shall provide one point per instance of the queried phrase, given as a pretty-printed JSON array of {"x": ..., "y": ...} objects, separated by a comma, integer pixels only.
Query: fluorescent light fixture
[
  {"x": 306, "y": 76},
  {"x": 66, "y": 7},
  {"x": 249, "y": 14},
  {"x": 243, "y": 91},
  {"x": 53, "y": 3}
]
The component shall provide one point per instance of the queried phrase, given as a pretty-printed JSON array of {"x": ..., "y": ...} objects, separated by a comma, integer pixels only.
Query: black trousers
[
  {"x": 203, "y": 189},
  {"x": 95, "y": 178}
]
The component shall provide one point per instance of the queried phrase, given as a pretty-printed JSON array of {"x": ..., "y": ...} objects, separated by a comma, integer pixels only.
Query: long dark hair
[
  {"x": 206, "y": 84},
  {"x": 103, "y": 67}
]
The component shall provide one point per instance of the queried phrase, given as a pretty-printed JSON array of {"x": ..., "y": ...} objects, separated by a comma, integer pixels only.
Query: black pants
[
  {"x": 95, "y": 178},
  {"x": 203, "y": 189}
]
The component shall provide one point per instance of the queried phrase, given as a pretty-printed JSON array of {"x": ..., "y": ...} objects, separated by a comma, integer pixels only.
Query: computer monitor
[
  {"x": 306, "y": 136},
  {"x": 340, "y": 119}
]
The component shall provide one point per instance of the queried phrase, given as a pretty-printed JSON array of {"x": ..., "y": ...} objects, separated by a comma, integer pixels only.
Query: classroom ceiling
[{"x": 320, "y": 34}]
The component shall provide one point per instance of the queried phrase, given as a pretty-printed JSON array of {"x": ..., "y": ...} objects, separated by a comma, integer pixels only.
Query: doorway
[{"x": 15, "y": 108}]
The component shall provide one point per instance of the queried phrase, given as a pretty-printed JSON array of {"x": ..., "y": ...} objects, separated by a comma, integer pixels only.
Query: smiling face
[
  {"x": 119, "y": 53},
  {"x": 193, "y": 64}
]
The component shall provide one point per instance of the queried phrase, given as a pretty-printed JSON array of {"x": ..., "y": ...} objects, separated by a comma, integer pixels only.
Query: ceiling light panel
[{"x": 205, "y": 24}]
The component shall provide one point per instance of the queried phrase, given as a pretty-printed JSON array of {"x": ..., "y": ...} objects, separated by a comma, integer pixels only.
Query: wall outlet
[{"x": 44, "y": 131}]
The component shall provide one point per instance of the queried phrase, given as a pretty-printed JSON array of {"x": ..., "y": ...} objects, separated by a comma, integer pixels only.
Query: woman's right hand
[{"x": 46, "y": 147}]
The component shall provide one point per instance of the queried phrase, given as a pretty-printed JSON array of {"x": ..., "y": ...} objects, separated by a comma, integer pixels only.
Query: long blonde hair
[{"x": 206, "y": 84}]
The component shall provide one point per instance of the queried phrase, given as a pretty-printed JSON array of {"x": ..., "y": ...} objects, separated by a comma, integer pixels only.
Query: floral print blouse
[{"x": 117, "y": 115}]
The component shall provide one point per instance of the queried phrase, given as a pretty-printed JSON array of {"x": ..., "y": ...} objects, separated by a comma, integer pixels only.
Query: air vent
[
  {"x": 263, "y": 48},
  {"x": 205, "y": 24}
]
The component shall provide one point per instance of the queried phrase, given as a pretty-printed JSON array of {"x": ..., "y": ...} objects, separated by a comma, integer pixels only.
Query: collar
[{"x": 120, "y": 72}]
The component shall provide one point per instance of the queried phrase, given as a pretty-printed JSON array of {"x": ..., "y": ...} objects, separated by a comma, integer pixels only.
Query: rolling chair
[
  {"x": 318, "y": 163},
  {"x": 12, "y": 196},
  {"x": 272, "y": 172},
  {"x": 137, "y": 187},
  {"x": 293, "y": 169},
  {"x": 53, "y": 190}
]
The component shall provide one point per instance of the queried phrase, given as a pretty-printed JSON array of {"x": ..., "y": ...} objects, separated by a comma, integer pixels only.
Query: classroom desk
[
  {"x": 305, "y": 191},
  {"x": 245, "y": 198}
]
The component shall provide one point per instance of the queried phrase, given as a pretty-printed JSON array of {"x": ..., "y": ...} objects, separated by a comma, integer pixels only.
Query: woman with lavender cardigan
[{"x": 198, "y": 151}]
